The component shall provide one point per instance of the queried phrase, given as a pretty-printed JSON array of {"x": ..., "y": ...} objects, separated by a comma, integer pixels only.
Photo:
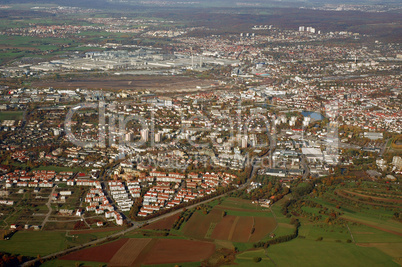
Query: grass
[
  {"x": 328, "y": 232},
  {"x": 307, "y": 252},
  {"x": 366, "y": 234},
  {"x": 243, "y": 246},
  {"x": 246, "y": 259},
  {"x": 240, "y": 204},
  {"x": 10, "y": 115},
  {"x": 34, "y": 243},
  {"x": 60, "y": 169}
]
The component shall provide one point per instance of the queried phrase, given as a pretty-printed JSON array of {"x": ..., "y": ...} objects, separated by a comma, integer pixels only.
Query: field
[
  {"x": 162, "y": 224},
  {"x": 160, "y": 84},
  {"x": 234, "y": 220},
  {"x": 324, "y": 253},
  {"x": 171, "y": 251},
  {"x": 136, "y": 251},
  {"x": 34, "y": 243},
  {"x": 246, "y": 259},
  {"x": 129, "y": 252},
  {"x": 10, "y": 115}
]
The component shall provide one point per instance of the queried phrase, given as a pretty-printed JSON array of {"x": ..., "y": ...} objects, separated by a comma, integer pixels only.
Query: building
[
  {"x": 144, "y": 135},
  {"x": 373, "y": 135},
  {"x": 397, "y": 162}
]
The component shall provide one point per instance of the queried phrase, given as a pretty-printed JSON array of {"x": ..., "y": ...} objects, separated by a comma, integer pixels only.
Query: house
[{"x": 79, "y": 212}]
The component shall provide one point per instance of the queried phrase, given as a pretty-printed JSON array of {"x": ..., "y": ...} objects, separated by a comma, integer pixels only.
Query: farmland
[
  {"x": 363, "y": 223},
  {"x": 128, "y": 252},
  {"x": 318, "y": 254},
  {"x": 233, "y": 220}
]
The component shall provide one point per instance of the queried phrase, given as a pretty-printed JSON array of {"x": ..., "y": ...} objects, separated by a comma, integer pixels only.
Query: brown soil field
[
  {"x": 179, "y": 250},
  {"x": 242, "y": 229},
  {"x": 102, "y": 253},
  {"x": 162, "y": 224},
  {"x": 100, "y": 230},
  {"x": 198, "y": 224},
  {"x": 263, "y": 226},
  {"x": 156, "y": 83},
  {"x": 238, "y": 228},
  {"x": 129, "y": 252},
  {"x": 223, "y": 228}
]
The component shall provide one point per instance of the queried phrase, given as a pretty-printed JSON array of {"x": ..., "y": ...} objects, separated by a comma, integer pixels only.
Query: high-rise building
[
  {"x": 244, "y": 142},
  {"x": 129, "y": 137},
  {"x": 144, "y": 135},
  {"x": 157, "y": 137}
]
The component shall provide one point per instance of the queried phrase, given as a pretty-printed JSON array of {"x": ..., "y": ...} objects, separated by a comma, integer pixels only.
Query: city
[{"x": 123, "y": 131}]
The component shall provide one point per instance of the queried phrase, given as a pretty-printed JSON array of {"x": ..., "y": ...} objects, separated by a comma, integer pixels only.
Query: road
[
  {"x": 123, "y": 232},
  {"x": 49, "y": 206},
  {"x": 136, "y": 225},
  {"x": 305, "y": 167}
]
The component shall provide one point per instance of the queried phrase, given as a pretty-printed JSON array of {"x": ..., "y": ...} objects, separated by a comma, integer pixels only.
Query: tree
[{"x": 257, "y": 259}]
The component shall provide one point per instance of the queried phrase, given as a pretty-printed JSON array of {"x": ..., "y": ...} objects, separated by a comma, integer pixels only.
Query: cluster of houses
[
  {"x": 120, "y": 195},
  {"x": 21, "y": 178},
  {"x": 99, "y": 204},
  {"x": 168, "y": 193}
]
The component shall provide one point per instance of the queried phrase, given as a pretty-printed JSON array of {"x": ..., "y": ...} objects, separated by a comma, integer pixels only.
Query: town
[{"x": 112, "y": 122}]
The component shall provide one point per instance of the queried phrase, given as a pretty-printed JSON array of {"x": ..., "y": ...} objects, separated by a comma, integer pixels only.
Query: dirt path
[
  {"x": 49, "y": 206},
  {"x": 350, "y": 232}
]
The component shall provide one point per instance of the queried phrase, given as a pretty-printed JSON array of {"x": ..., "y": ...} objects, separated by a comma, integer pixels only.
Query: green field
[
  {"x": 60, "y": 169},
  {"x": 34, "y": 243},
  {"x": 10, "y": 115},
  {"x": 247, "y": 259},
  {"x": 302, "y": 252},
  {"x": 327, "y": 232},
  {"x": 284, "y": 227},
  {"x": 365, "y": 234},
  {"x": 236, "y": 203}
]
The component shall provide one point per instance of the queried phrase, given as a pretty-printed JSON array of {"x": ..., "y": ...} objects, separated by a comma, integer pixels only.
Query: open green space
[
  {"x": 366, "y": 234},
  {"x": 10, "y": 115},
  {"x": 249, "y": 258},
  {"x": 327, "y": 232},
  {"x": 60, "y": 169},
  {"x": 236, "y": 203},
  {"x": 34, "y": 243},
  {"x": 302, "y": 252}
]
